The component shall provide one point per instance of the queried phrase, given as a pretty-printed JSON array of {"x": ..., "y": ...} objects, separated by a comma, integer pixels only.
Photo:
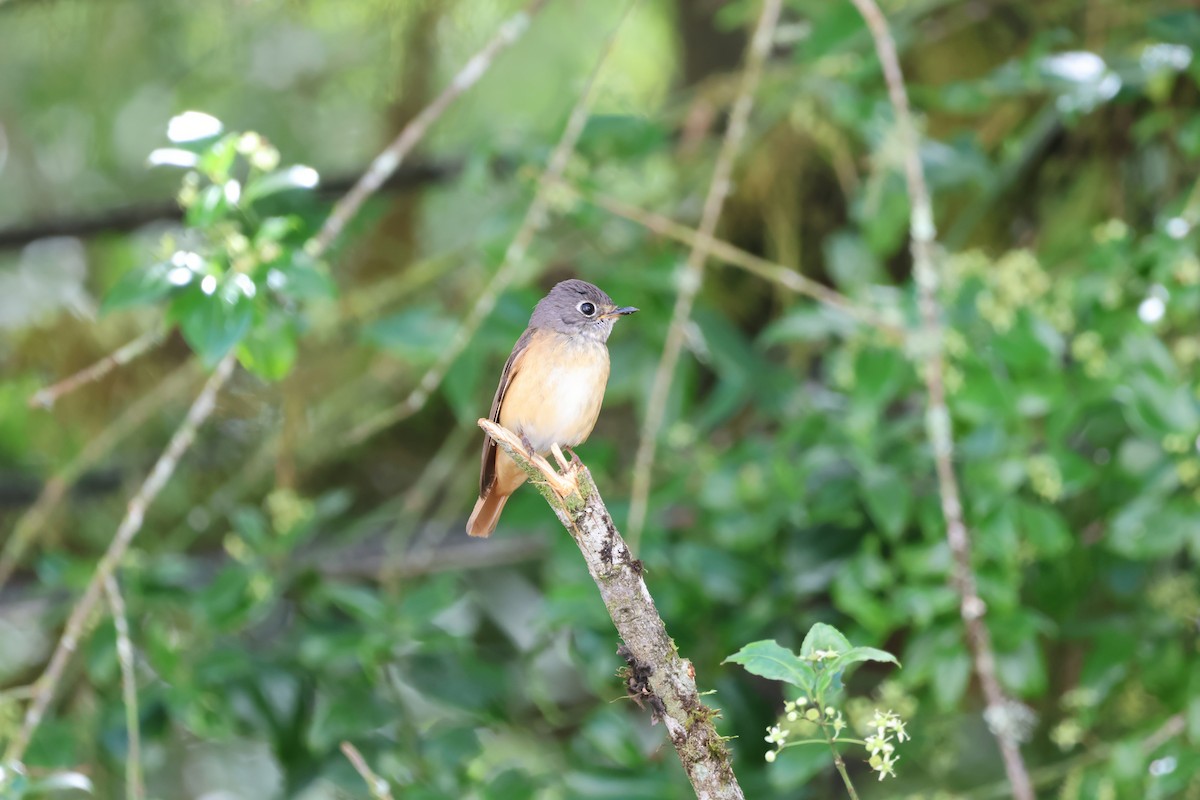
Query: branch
[
  {"x": 1048, "y": 774},
  {"x": 768, "y": 270},
  {"x": 134, "y": 787},
  {"x": 83, "y": 612},
  {"x": 376, "y": 785},
  {"x": 125, "y": 219},
  {"x": 655, "y": 675},
  {"x": 514, "y": 256},
  {"x": 693, "y": 274},
  {"x": 390, "y": 159},
  {"x": 31, "y": 522},
  {"x": 1000, "y": 710},
  {"x": 118, "y": 358}
]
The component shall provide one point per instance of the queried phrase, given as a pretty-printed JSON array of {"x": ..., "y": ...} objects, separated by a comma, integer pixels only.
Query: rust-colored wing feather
[{"x": 487, "y": 471}]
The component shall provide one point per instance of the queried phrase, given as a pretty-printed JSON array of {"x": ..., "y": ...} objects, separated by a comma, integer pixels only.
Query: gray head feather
[{"x": 577, "y": 308}]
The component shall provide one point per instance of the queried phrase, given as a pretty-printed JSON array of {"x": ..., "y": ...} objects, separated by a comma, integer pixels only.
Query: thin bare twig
[
  {"x": 1000, "y": 710},
  {"x": 1044, "y": 776},
  {"x": 132, "y": 418},
  {"x": 655, "y": 675},
  {"x": 45, "y": 398},
  {"x": 756, "y": 265},
  {"x": 390, "y": 159},
  {"x": 514, "y": 256},
  {"x": 134, "y": 786},
  {"x": 81, "y": 615},
  {"x": 376, "y": 785},
  {"x": 693, "y": 272}
]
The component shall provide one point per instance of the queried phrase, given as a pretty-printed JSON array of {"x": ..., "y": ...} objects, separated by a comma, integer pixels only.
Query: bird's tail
[{"x": 487, "y": 512}]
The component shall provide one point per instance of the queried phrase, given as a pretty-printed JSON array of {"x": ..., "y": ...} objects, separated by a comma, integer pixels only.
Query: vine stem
[
  {"x": 693, "y": 272},
  {"x": 390, "y": 159},
  {"x": 999, "y": 712},
  {"x": 840, "y": 764},
  {"x": 47, "y": 397},
  {"x": 131, "y": 523}
]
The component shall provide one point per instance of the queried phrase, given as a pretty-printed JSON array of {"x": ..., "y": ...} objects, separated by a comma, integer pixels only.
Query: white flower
[{"x": 776, "y": 735}]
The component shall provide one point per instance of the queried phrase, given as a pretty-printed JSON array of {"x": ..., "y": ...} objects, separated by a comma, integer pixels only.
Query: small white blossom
[{"x": 776, "y": 735}]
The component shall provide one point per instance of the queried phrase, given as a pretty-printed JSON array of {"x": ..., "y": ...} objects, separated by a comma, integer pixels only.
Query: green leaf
[
  {"x": 269, "y": 350},
  {"x": 418, "y": 334},
  {"x": 1023, "y": 670},
  {"x": 611, "y": 137},
  {"x": 1158, "y": 408},
  {"x": 1193, "y": 721},
  {"x": 824, "y": 637},
  {"x": 1150, "y": 527},
  {"x": 302, "y": 278},
  {"x": 62, "y": 782},
  {"x": 851, "y": 263},
  {"x": 141, "y": 286},
  {"x": 887, "y": 498},
  {"x": 209, "y": 206},
  {"x": 295, "y": 177},
  {"x": 769, "y": 659},
  {"x": 217, "y": 160},
  {"x": 1045, "y": 529},
  {"x": 879, "y": 374},
  {"x": 857, "y": 655},
  {"x": 212, "y": 324},
  {"x": 951, "y": 672},
  {"x": 809, "y": 324}
]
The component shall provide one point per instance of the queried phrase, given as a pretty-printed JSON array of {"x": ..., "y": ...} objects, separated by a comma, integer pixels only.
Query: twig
[
  {"x": 134, "y": 787},
  {"x": 514, "y": 256},
  {"x": 656, "y": 675},
  {"x": 693, "y": 272},
  {"x": 390, "y": 159},
  {"x": 1043, "y": 776},
  {"x": 376, "y": 785},
  {"x": 81, "y": 615},
  {"x": 756, "y": 265},
  {"x": 124, "y": 219},
  {"x": 840, "y": 764},
  {"x": 31, "y": 522},
  {"x": 45, "y": 398},
  {"x": 999, "y": 712}
]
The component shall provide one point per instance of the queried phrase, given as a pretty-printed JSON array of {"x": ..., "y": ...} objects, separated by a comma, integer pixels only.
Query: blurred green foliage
[{"x": 293, "y": 589}]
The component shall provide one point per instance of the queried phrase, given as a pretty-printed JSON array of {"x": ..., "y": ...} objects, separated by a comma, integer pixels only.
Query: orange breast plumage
[{"x": 555, "y": 396}]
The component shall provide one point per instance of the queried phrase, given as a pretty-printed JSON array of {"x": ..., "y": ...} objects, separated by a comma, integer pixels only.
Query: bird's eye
[{"x": 587, "y": 309}]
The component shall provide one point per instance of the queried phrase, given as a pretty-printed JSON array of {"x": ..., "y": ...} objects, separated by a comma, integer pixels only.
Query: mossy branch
[{"x": 654, "y": 672}]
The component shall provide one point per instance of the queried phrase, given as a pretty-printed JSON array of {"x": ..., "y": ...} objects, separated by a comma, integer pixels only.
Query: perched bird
[{"x": 551, "y": 388}]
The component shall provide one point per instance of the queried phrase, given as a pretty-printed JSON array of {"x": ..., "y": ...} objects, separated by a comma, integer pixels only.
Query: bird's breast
[{"x": 555, "y": 395}]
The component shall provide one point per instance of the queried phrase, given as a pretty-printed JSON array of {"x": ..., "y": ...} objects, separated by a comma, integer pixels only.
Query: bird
[{"x": 550, "y": 390}]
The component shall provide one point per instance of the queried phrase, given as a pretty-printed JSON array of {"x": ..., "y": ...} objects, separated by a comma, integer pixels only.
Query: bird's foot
[
  {"x": 574, "y": 458},
  {"x": 528, "y": 445}
]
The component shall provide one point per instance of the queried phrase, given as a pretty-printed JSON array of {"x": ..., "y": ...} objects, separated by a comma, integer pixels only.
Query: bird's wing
[{"x": 487, "y": 472}]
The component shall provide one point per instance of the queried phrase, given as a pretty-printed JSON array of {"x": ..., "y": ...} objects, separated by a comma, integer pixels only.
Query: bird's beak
[{"x": 623, "y": 311}]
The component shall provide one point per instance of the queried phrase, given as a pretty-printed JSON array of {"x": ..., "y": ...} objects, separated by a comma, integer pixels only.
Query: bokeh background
[{"x": 296, "y": 586}]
